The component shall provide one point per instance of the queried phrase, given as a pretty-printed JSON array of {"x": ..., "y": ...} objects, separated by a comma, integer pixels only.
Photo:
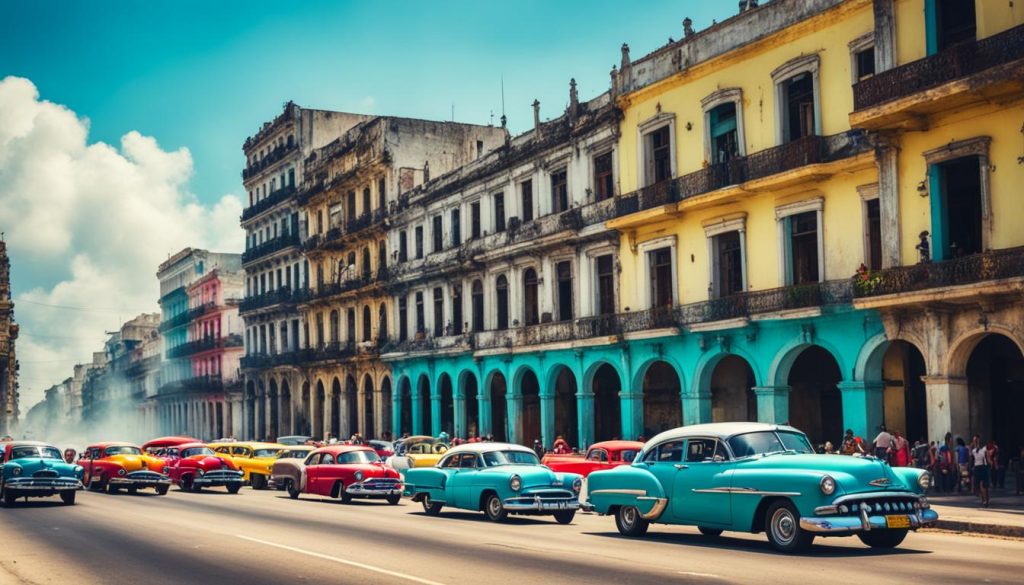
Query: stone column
[
  {"x": 696, "y": 408},
  {"x": 329, "y": 413},
  {"x": 948, "y": 406},
  {"x": 459, "y": 403},
  {"x": 435, "y": 409},
  {"x": 514, "y": 404},
  {"x": 396, "y": 414},
  {"x": 887, "y": 157},
  {"x": 293, "y": 406},
  {"x": 772, "y": 404},
  {"x": 547, "y": 417},
  {"x": 632, "y": 405},
  {"x": 483, "y": 400},
  {"x": 863, "y": 406},
  {"x": 417, "y": 413}
]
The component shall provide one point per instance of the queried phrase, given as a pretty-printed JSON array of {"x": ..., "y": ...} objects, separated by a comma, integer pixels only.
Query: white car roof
[
  {"x": 488, "y": 448},
  {"x": 721, "y": 431}
]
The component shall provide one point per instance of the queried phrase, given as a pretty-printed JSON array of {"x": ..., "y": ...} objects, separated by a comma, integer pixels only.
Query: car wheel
[
  {"x": 98, "y": 485},
  {"x": 113, "y": 489},
  {"x": 883, "y": 538},
  {"x": 494, "y": 509},
  {"x": 430, "y": 507},
  {"x": 629, "y": 521},
  {"x": 133, "y": 490},
  {"x": 68, "y": 498},
  {"x": 161, "y": 490},
  {"x": 258, "y": 482},
  {"x": 233, "y": 488},
  {"x": 10, "y": 499},
  {"x": 293, "y": 490},
  {"x": 710, "y": 531},
  {"x": 394, "y": 499},
  {"x": 185, "y": 483},
  {"x": 782, "y": 525},
  {"x": 343, "y": 496},
  {"x": 565, "y": 516}
]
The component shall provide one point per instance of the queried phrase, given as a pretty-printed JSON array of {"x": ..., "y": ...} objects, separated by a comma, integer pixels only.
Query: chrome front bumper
[
  {"x": 141, "y": 479},
  {"x": 540, "y": 504},
  {"x": 42, "y": 485},
  {"x": 375, "y": 487},
  {"x": 218, "y": 478},
  {"x": 863, "y": 523}
]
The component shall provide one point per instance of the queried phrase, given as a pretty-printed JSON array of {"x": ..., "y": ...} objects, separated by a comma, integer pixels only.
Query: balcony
[
  {"x": 281, "y": 195},
  {"x": 804, "y": 159},
  {"x": 204, "y": 344},
  {"x": 332, "y": 289},
  {"x": 964, "y": 280},
  {"x": 267, "y": 299},
  {"x": 270, "y": 246},
  {"x": 186, "y": 317},
  {"x": 974, "y": 72},
  {"x": 343, "y": 233},
  {"x": 272, "y": 157},
  {"x": 196, "y": 384},
  {"x": 327, "y": 352}
]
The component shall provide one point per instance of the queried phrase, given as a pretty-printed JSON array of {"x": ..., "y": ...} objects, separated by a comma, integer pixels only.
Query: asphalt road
[{"x": 264, "y": 537}]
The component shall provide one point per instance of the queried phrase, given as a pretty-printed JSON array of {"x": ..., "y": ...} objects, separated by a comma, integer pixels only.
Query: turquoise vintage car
[
  {"x": 31, "y": 469},
  {"x": 497, "y": 478},
  {"x": 753, "y": 477}
]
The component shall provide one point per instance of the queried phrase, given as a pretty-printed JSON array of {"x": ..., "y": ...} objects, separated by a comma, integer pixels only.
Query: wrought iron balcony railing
[
  {"x": 958, "y": 61},
  {"x": 268, "y": 299},
  {"x": 270, "y": 246},
  {"x": 272, "y": 157},
  {"x": 204, "y": 344},
  {"x": 972, "y": 269},
  {"x": 195, "y": 384}
]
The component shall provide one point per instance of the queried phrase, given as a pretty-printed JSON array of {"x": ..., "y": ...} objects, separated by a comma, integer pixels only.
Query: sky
[{"x": 121, "y": 122}]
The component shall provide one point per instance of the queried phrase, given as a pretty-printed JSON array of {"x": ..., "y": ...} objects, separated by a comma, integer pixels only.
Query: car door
[
  {"x": 596, "y": 460},
  {"x": 313, "y": 473},
  {"x": 464, "y": 481},
  {"x": 664, "y": 462},
  {"x": 701, "y": 492}
]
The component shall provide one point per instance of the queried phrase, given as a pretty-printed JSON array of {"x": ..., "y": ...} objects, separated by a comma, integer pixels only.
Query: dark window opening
[
  {"x": 527, "y": 192},
  {"x": 957, "y": 22},
  {"x": 660, "y": 267},
  {"x": 438, "y": 233},
  {"x": 499, "y": 212},
  {"x": 366, "y": 200},
  {"x": 725, "y": 144},
  {"x": 865, "y": 63},
  {"x": 659, "y": 156},
  {"x": 564, "y": 272},
  {"x": 456, "y": 228},
  {"x": 798, "y": 97},
  {"x": 403, "y": 246},
  {"x": 605, "y": 285},
  {"x": 421, "y": 322},
  {"x": 350, "y": 326},
  {"x": 559, "y": 191},
  {"x": 419, "y": 242},
  {"x": 502, "y": 294},
  {"x": 728, "y": 264},
  {"x": 604, "y": 185},
  {"x": 531, "y": 310},
  {"x": 474, "y": 220},
  {"x": 477, "y": 293},
  {"x": 438, "y": 312},
  {"x": 403, "y": 319},
  {"x": 457, "y": 328},
  {"x": 350, "y": 211},
  {"x": 961, "y": 195},
  {"x": 382, "y": 193},
  {"x": 874, "y": 235},
  {"x": 803, "y": 245},
  {"x": 367, "y": 324}
]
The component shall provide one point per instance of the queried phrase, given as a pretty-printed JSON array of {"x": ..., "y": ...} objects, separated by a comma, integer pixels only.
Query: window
[
  {"x": 502, "y": 300},
  {"x": 960, "y": 193},
  {"x": 474, "y": 220},
  {"x": 291, "y": 175},
  {"x": 382, "y": 323},
  {"x": 367, "y": 272},
  {"x": 367, "y": 324},
  {"x": 726, "y": 264},
  {"x": 724, "y": 134},
  {"x": 403, "y": 246},
  {"x": 351, "y": 206},
  {"x": 526, "y": 191},
  {"x": 800, "y": 236},
  {"x": 382, "y": 257},
  {"x": 564, "y": 272},
  {"x": 419, "y": 242},
  {"x": 319, "y": 221},
  {"x": 403, "y": 319},
  {"x": 366, "y": 200},
  {"x": 604, "y": 185},
  {"x": 319, "y": 332},
  {"x": 350, "y": 326},
  {"x": 702, "y": 450},
  {"x": 457, "y": 327},
  {"x": 669, "y": 452},
  {"x": 456, "y": 228},
  {"x": 479, "y": 148},
  {"x": 438, "y": 233},
  {"x": 421, "y": 323},
  {"x": 956, "y": 21},
  {"x": 335, "y": 327},
  {"x": 438, "y": 312},
  {"x": 477, "y": 292},
  {"x": 499, "y": 212},
  {"x": 605, "y": 285},
  {"x": 660, "y": 270},
  {"x": 658, "y": 155},
  {"x": 559, "y": 191},
  {"x": 530, "y": 308},
  {"x": 798, "y": 101},
  {"x": 382, "y": 193},
  {"x": 864, "y": 63},
  {"x": 873, "y": 234}
]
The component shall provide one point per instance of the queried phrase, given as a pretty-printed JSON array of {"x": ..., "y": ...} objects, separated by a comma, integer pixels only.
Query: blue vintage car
[
  {"x": 753, "y": 477},
  {"x": 497, "y": 478},
  {"x": 31, "y": 469}
]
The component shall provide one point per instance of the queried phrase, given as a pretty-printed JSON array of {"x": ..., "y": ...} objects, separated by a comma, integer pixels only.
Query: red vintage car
[
  {"x": 113, "y": 466},
  {"x": 155, "y": 446},
  {"x": 340, "y": 471},
  {"x": 604, "y": 455},
  {"x": 194, "y": 466}
]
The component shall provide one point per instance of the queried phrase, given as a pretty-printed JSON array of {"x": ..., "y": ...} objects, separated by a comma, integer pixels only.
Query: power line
[{"x": 68, "y": 307}]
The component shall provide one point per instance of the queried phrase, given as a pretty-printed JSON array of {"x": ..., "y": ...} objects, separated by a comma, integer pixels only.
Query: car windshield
[
  {"x": 358, "y": 457},
  {"x": 510, "y": 458},
  {"x": 265, "y": 452},
  {"x": 40, "y": 452},
  {"x": 768, "y": 442},
  {"x": 122, "y": 450},
  {"x": 297, "y": 454},
  {"x": 627, "y": 455},
  {"x": 193, "y": 451}
]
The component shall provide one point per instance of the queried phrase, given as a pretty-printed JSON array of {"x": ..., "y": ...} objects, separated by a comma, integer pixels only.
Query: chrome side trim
[
  {"x": 621, "y": 492},
  {"x": 744, "y": 490},
  {"x": 659, "y": 506}
]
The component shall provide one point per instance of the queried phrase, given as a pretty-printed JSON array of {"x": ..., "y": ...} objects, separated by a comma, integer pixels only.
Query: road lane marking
[
  {"x": 341, "y": 561},
  {"x": 701, "y": 575}
]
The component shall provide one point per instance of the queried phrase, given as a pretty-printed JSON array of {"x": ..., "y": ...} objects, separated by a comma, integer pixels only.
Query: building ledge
[
  {"x": 963, "y": 294},
  {"x": 719, "y": 325}
]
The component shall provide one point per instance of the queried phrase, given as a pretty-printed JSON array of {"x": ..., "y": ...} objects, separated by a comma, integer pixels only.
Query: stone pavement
[{"x": 963, "y": 513}]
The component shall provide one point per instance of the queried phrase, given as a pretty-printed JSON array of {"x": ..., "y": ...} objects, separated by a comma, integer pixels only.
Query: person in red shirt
[{"x": 561, "y": 447}]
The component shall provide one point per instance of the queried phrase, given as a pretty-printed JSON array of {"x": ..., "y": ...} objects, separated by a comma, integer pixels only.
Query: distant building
[{"x": 8, "y": 360}]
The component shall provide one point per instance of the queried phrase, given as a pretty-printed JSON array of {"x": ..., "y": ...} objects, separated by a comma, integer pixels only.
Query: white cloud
[{"x": 89, "y": 223}]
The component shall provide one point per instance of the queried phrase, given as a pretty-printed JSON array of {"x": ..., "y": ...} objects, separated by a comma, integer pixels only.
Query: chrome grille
[
  {"x": 46, "y": 473},
  {"x": 888, "y": 504},
  {"x": 381, "y": 483}
]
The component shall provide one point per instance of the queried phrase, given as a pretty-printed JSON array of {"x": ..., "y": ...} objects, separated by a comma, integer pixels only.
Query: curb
[{"x": 980, "y": 528}]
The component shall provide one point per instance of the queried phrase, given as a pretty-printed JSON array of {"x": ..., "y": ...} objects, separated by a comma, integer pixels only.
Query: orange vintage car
[
  {"x": 603, "y": 455},
  {"x": 112, "y": 466}
]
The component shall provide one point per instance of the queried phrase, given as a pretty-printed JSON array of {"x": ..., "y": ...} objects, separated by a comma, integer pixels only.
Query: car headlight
[
  {"x": 577, "y": 485},
  {"x": 828, "y": 485},
  {"x": 925, "y": 480},
  {"x": 16, "y": 471},
  {"x": 166, "y": 470},
  {"x": 515, "y": 483},
  {"x": 200, "y": 472},
  {"x": 359, "y": 476},
  {"x": 121, "y": 471}
]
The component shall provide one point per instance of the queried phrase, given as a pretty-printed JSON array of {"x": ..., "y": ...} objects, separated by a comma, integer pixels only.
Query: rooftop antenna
[
  {"x": 504, "y": 120},
  {"x": 453, "y": 111}
]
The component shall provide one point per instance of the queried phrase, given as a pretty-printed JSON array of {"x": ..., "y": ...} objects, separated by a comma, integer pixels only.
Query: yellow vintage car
[
  {"x": 417, "y": 451},
  {"x": 255, "y": 460}
]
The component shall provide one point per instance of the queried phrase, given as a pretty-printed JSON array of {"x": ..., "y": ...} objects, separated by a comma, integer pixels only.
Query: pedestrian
[
  {"x": 900, "y": 450},
  {"x": 979, "y": 458},
  {"x": 828, "y": 449},
  {"x": 443, "y": 437},
  {"x": 538, "y": 448},
  {"x": 997, "y": 473},
  {"x": 946, "y": 468},
  {"x": 850, "y": 445},
  {"x": 561, "y": 447},
  {"x": 882, "y": 443},
  {"x": 963, "y": 455},
  {"x": 69, "y": 455}
]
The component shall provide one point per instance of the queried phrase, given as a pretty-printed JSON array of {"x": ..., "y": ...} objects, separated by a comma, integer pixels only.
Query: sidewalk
[{"x": 963, "y": 513}]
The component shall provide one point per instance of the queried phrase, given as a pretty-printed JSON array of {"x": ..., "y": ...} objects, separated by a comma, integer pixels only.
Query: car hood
[
  {"x": 534, "y": 475},
  {"x": 854, "y": 474},
  {"x": 31, "y": 465},
  {"x": 132, "y": 463},
  {"x": 374, "y": 470},
  {"x": 210, "y": 463}
]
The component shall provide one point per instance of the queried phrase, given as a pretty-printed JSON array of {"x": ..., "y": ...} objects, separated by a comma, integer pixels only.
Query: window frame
[
  {"x": 733, "y": 95},
  {"x": 644, "y": 284},
  {"x": 857, "y": 46},
  {"x": 718, "y": 227},
  {"x": 782, "y": 213},
  {"x": 644, "y": 129},
  {"x": 785, "y": 72}
]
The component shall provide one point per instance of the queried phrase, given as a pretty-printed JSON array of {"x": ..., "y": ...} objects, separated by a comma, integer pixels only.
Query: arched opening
[
  {"x": 367, "y": 323},
  {"x": 663, "y": 406},
  {"x": 351, "y": 406},
  {"x": 318, "y": 410},
  {"x": 529, "y": 421},
  {"x": 530, "y": 310},
  {"x": 607, "y": 408},
  {"x": 423, "y": 391},
  {"x": 732, "y": 391},
  {"x": 272, "y": 398},
  {"x": 304, "y": 411},
  {"x": 995, "y": 393},
  {"x": 369, "y": 428},
  {"x": 250, "y": 409},
  {"x": 385, "y": 409},
  {"x": 405, "y": 406},
  {"x": 478, "y": 305},
  {"x": 447, "y": 405},
  {"x": 336, "y": 408},
  {"x": 566, "y": 415},
  {"x": 499, "y": 408},
  {"x": 815, "y": 404},
  {"x": 286, "y": 408},
  {"x": 904, "y": 397},
  {"x": 501, "y": 289},
  {"x": 468, "y": 386}
]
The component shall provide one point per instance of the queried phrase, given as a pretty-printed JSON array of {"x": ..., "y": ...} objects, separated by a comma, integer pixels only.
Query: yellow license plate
[{"x": 897, "y": 521}]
